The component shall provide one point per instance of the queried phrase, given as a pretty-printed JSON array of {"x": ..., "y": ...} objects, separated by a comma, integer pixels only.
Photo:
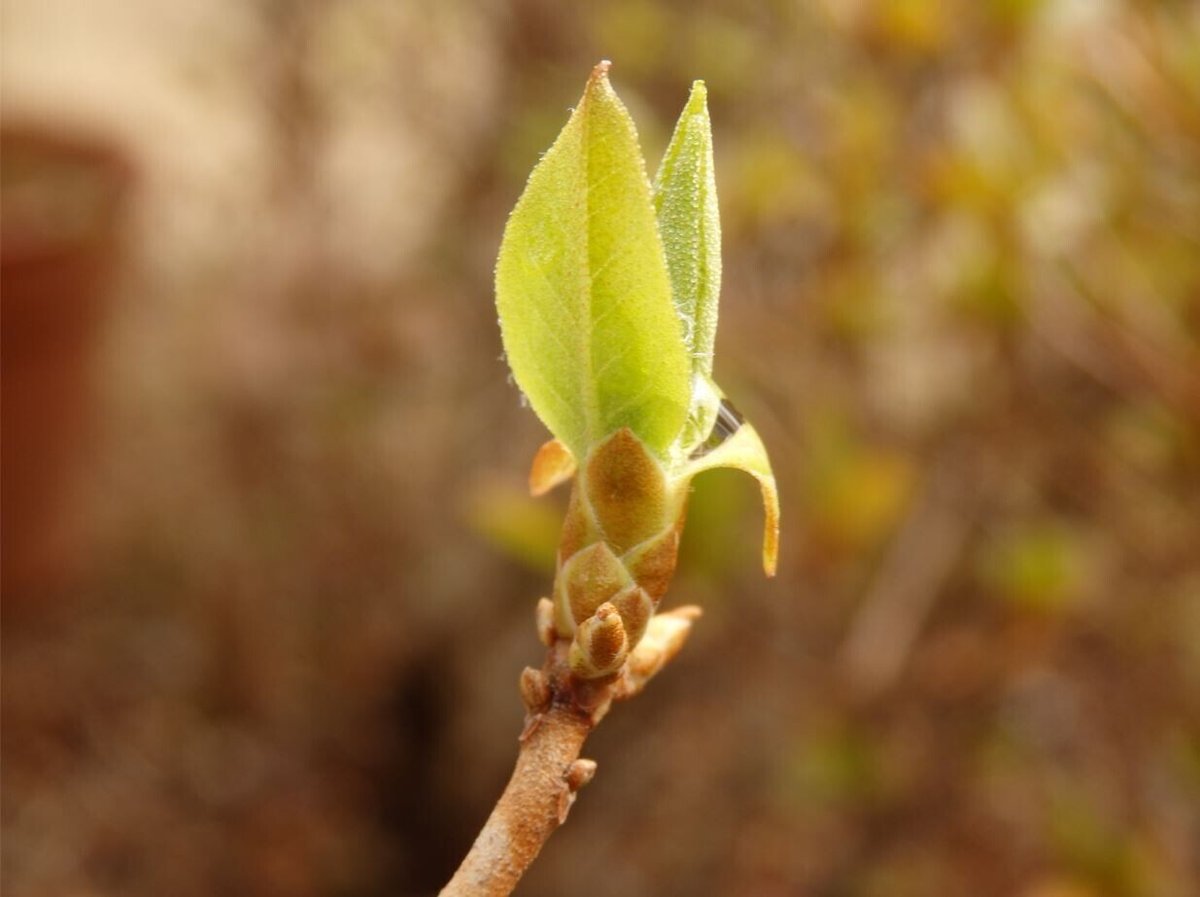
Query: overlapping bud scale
[{"x": 619, "y": 546}]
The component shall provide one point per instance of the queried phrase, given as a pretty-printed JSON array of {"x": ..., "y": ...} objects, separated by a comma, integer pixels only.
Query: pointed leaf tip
[
  {"x": 583, "y": 290},
  {"x": 598, "y": 84}
]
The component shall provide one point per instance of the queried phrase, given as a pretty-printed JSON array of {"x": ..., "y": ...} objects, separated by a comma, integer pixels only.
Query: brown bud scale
[{"x": 617, "y": 554}]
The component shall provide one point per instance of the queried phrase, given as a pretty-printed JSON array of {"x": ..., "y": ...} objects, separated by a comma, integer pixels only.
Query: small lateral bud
[
  {"x": 580, "y": 772},
  {"x": 535, "y": 690},
  {"x": 545, "y": 622},
  {"x": 600, "y": 645}
]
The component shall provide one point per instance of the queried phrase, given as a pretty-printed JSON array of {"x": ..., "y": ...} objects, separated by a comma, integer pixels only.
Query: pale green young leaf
[
  {"x": 685, "y": 201},
  {"x": 583, "y": 291},
  {"x": 744, "y": 450}
]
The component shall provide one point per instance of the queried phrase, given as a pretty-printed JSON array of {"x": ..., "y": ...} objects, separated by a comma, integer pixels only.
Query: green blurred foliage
[
  {"x": 1036, "y": 567},
  {"x": 522, "y": 527},
  {"x": 854, "y": 493}
]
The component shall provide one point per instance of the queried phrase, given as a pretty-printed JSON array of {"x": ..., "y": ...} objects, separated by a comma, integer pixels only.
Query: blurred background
[{"x": 269, "y": 564}]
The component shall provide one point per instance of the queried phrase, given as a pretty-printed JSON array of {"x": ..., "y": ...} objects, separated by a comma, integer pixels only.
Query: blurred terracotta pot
[{"x": 60, "y": 215}]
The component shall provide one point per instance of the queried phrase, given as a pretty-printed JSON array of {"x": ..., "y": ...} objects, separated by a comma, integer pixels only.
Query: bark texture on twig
[
  {"x": 531, "y": 808},
  {"x": 562, "y": 710},
  {"x": 560, "y": 713}
]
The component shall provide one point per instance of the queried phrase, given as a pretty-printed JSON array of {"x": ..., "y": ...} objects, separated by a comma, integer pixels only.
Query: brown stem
[
  {"x": 527, "y": 813},
  {"x": 562, "y": 711},
  {"x": 540, "y": 792}
]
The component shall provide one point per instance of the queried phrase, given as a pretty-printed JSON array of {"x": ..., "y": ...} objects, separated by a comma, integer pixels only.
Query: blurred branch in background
[
  {"x": 962, "y": 240},
  {"x": 910, "y": 578}
]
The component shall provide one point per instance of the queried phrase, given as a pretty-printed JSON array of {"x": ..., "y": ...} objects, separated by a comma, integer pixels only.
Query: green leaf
[
  {"x": 583, "y": 291},
  {"x": 685, "y": 200},
  {"x": 744, "y": 451}
]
